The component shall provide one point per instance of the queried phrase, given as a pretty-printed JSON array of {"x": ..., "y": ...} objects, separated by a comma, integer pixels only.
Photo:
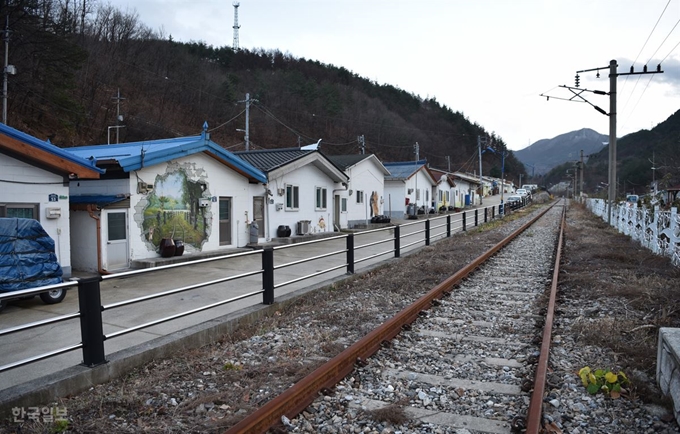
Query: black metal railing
[{"x": 90, "y": 311}]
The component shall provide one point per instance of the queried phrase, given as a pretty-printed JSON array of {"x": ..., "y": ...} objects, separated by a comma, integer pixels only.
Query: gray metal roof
[
  {"x": 270, "y": 159},
  {"x": 403, "y": 170},
  {"x": 345, "y": 161}
]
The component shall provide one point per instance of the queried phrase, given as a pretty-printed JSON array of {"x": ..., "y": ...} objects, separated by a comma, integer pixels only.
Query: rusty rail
[
  {"x": 533, "y": 419},
  {"x": 296, "y": 398}
]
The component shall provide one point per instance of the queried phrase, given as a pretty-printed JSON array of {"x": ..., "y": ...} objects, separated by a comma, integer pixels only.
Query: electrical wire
[
  {"x": 650, "y": 33},
  {"x": 225, "y": 123}
]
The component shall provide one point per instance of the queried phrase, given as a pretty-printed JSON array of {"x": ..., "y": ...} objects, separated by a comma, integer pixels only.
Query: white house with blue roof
[
  {"x": 409, "y": 187},
  {"x": 35, "y": 177},
  {"x": 158, "y": 198}
]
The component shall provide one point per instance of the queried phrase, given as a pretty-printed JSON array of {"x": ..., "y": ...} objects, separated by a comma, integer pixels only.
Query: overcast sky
[{"x": 488, "y": 59}]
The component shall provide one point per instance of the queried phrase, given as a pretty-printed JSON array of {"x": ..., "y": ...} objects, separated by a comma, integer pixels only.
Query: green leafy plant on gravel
[
  {"x": 60, "y": 426},
  {"x": 232, "y": 367},
  {"x": 605, "y": 381}
]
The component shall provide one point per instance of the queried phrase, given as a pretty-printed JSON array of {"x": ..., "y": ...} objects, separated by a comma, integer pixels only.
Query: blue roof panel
[
  {"x": 135, "y": 155},
  {"x": 403, "y": 170}
]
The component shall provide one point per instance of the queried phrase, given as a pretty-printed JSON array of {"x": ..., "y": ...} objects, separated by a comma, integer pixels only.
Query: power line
[
  {"x": 650, "y": 33},
  {"x": 230, "y": 120}
]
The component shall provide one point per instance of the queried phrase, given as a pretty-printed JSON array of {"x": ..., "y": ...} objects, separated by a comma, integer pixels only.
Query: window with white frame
[
  {"x": 321, "y": 194},
  {"x": 360, "y": 196},
  {"x": 292, "y": 197},
  {"x": 343, "y": 204},
  {"x": 418, "y": 194}
]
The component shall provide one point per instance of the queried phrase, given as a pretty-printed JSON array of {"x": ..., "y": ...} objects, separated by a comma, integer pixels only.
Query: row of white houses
[{"x": 109, "y": 205}]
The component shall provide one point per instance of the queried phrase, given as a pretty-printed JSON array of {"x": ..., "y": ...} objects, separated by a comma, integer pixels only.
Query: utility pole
[
  {"x": 448, "y": 161},
  {"x": 9, "y": 69},
  {"x": 582, "y": 167},
  {"x": 417, "y": 151},
  {"x": 520, "y": 181},
  {"x": 118, "y": 116},
  {"x": 246, "y": 139},
  {"x": 362, "y": 144},
  {"x": 613, "y": 75},
  {"x": 481, "y": 182}
]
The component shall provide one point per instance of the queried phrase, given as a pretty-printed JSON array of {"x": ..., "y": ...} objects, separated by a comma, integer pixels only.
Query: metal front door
[
  {"x": 117, "y": 252},
  {"x": 225, "y": 221},
  {"x": 258, "y": 214}
]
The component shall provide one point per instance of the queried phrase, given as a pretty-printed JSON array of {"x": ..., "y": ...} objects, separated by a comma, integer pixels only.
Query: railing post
[
  {"x": 397, "y": 241},
  {"x": 268, "y": 275},
  {"x": 476, "y": 217},
  {"x": 91, "y": 327},
  {"x": 486, "y": 215},
  {"x": 493, "y": 212},
  {"x": 350, "y": 253},
  {"x": 464, "y": 222},
  {"x": 427, "y": 232},
  {"x": 448, "y": 225}
]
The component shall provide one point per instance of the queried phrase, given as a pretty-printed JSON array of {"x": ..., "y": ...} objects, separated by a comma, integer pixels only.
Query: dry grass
[{"x": 626, "y": 293}]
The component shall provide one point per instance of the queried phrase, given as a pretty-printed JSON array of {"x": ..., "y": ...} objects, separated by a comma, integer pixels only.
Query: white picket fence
[{"x": 655, "y": 229}]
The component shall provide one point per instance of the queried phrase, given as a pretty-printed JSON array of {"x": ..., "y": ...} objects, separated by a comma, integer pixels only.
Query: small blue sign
[
  {"x": 214, "y": 198},
  {"x": 53, "y": 198}
]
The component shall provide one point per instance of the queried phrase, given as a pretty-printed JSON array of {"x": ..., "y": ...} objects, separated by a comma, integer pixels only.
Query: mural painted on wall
[{"x": 174, "y": 211}]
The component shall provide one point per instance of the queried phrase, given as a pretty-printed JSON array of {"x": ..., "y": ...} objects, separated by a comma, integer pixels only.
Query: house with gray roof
[
  {"x": 365, "y": 194},
  {"x": 35, "y": 175},
  {"x": 409, "y": 188},
  {"x": 302, "y": 194},
  {"x": 160, "y": 198}
]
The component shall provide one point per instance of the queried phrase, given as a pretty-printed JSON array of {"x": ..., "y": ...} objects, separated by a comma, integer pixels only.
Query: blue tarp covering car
[{"x": 28, "y": 259}]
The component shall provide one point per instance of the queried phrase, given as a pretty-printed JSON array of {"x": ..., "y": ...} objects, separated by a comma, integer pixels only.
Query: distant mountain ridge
[{"x": 545, "y": 154}]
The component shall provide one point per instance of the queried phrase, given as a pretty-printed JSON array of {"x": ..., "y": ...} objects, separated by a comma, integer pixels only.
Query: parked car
[
  {"x": 513, "y": 201},
  {"x": 523, "y": 192},
  {"x": 28, "y": 259}
]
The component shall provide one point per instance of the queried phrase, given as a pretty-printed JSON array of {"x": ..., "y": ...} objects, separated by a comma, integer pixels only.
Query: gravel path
[{"x": 209, "y": 389}]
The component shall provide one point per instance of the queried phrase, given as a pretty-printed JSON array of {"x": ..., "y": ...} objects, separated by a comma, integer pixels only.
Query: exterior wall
[
  {"x": 83, "y": 241},
  {"x": 395, "y": 199},
  {"x": 366, "y": 176},
  {"x": 176, "y": 182},
  {"x": 32, "y": 185},
  {"x": 462, "y": 188},
  {"x": 307, "y": 178},
  {"x": 422, "y": 183}
]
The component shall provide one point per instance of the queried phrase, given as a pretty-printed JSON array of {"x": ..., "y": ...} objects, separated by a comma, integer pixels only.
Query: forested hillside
[{"x": 73, "y": 57}]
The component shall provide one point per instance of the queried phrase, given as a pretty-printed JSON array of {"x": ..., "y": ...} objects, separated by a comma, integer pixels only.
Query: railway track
[{"x": 462, "y": 357}]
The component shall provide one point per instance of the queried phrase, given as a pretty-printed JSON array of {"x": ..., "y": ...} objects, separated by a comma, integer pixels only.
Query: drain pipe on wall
[
  {"x": 267, "y": 232},
  {"x": 91, "y": 210}
]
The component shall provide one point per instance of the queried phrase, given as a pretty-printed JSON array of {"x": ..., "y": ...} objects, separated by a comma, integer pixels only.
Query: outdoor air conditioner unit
[{"x": 303, "y": 227}]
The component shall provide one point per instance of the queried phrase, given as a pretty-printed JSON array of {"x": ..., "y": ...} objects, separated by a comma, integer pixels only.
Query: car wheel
[{"x": 53, "y": 297}]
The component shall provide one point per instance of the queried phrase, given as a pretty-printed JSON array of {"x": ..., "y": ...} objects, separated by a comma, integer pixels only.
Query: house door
[
  {"x": 336, "y": 211},
  {"x": 117, "y": 251},
  {"x": 258, "y": 214},
  {"x": 225, "y": 221}
]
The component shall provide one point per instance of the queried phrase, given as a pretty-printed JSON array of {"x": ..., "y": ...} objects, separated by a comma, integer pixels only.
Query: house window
[
  {"x": 321, "y": 198},
  {"x": 292, "y": 197},
  {"x": 441, "y": 196},
  {"x": 19, "y": 210},
  {"x": 418, "y": 194},
  {"x": 343, "y": 204},
  {"x": 360, "y": 196}
]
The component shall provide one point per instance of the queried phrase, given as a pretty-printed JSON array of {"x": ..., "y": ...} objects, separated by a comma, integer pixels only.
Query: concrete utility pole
[
  {"x": 448, "y": 163},
  {"x": 9, "y": 69},
  {"x": 118, "y": 116},
  {"x": 246, "y": 139},
  {"x": 417, "y": 151},
  {"x": 613, "y": 75},
  {"x": 481, "y": 182},
  {"x": 362, "y": 144},
  {"x": 582, "y": 167}
]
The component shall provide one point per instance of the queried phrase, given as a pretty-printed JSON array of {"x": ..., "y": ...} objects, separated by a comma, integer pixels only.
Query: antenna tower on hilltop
[{"x": 236, "y": 26}]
